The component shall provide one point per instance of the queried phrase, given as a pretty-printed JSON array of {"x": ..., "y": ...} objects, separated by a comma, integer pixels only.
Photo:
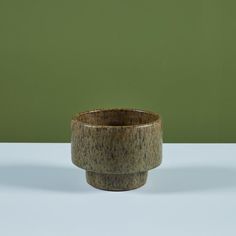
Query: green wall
[{"x": 177, "y": 58}]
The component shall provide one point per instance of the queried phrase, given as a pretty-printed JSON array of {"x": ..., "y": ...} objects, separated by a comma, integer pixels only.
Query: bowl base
[{"x": 116, "y": 182}]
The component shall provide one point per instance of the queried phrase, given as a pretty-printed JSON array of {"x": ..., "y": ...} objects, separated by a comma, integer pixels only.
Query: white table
[{"x": 192, "y": 193}]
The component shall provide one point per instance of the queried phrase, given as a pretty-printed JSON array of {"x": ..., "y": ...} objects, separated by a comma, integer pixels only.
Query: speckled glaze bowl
[{"x": 116, "y": 147}]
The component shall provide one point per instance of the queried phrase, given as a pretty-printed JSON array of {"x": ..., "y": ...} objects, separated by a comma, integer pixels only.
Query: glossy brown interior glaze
[{"x": 117, "y": 117}]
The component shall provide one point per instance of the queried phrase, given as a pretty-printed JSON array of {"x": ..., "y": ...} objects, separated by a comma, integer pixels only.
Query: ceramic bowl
[{"x": 116, "y": 147}]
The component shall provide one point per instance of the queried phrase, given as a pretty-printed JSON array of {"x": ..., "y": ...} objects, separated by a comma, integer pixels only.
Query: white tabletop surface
[{"x": 192, "y": 193}]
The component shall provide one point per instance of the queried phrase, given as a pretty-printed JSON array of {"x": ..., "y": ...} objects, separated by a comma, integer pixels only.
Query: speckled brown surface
[
  {"x": 116, "y": 147},
  {"x": 116, "y": 182}
]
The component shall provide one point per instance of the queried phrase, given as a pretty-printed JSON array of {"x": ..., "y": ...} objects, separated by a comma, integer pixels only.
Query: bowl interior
[{"x": 117, "y": 117}]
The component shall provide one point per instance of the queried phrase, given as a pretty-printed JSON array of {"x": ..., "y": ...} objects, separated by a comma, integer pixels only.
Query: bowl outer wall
[{"x": 116, "y": 149}]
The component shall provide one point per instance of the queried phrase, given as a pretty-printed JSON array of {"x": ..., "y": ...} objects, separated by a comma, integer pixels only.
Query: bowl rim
[{"x": 77, "y": 115}]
